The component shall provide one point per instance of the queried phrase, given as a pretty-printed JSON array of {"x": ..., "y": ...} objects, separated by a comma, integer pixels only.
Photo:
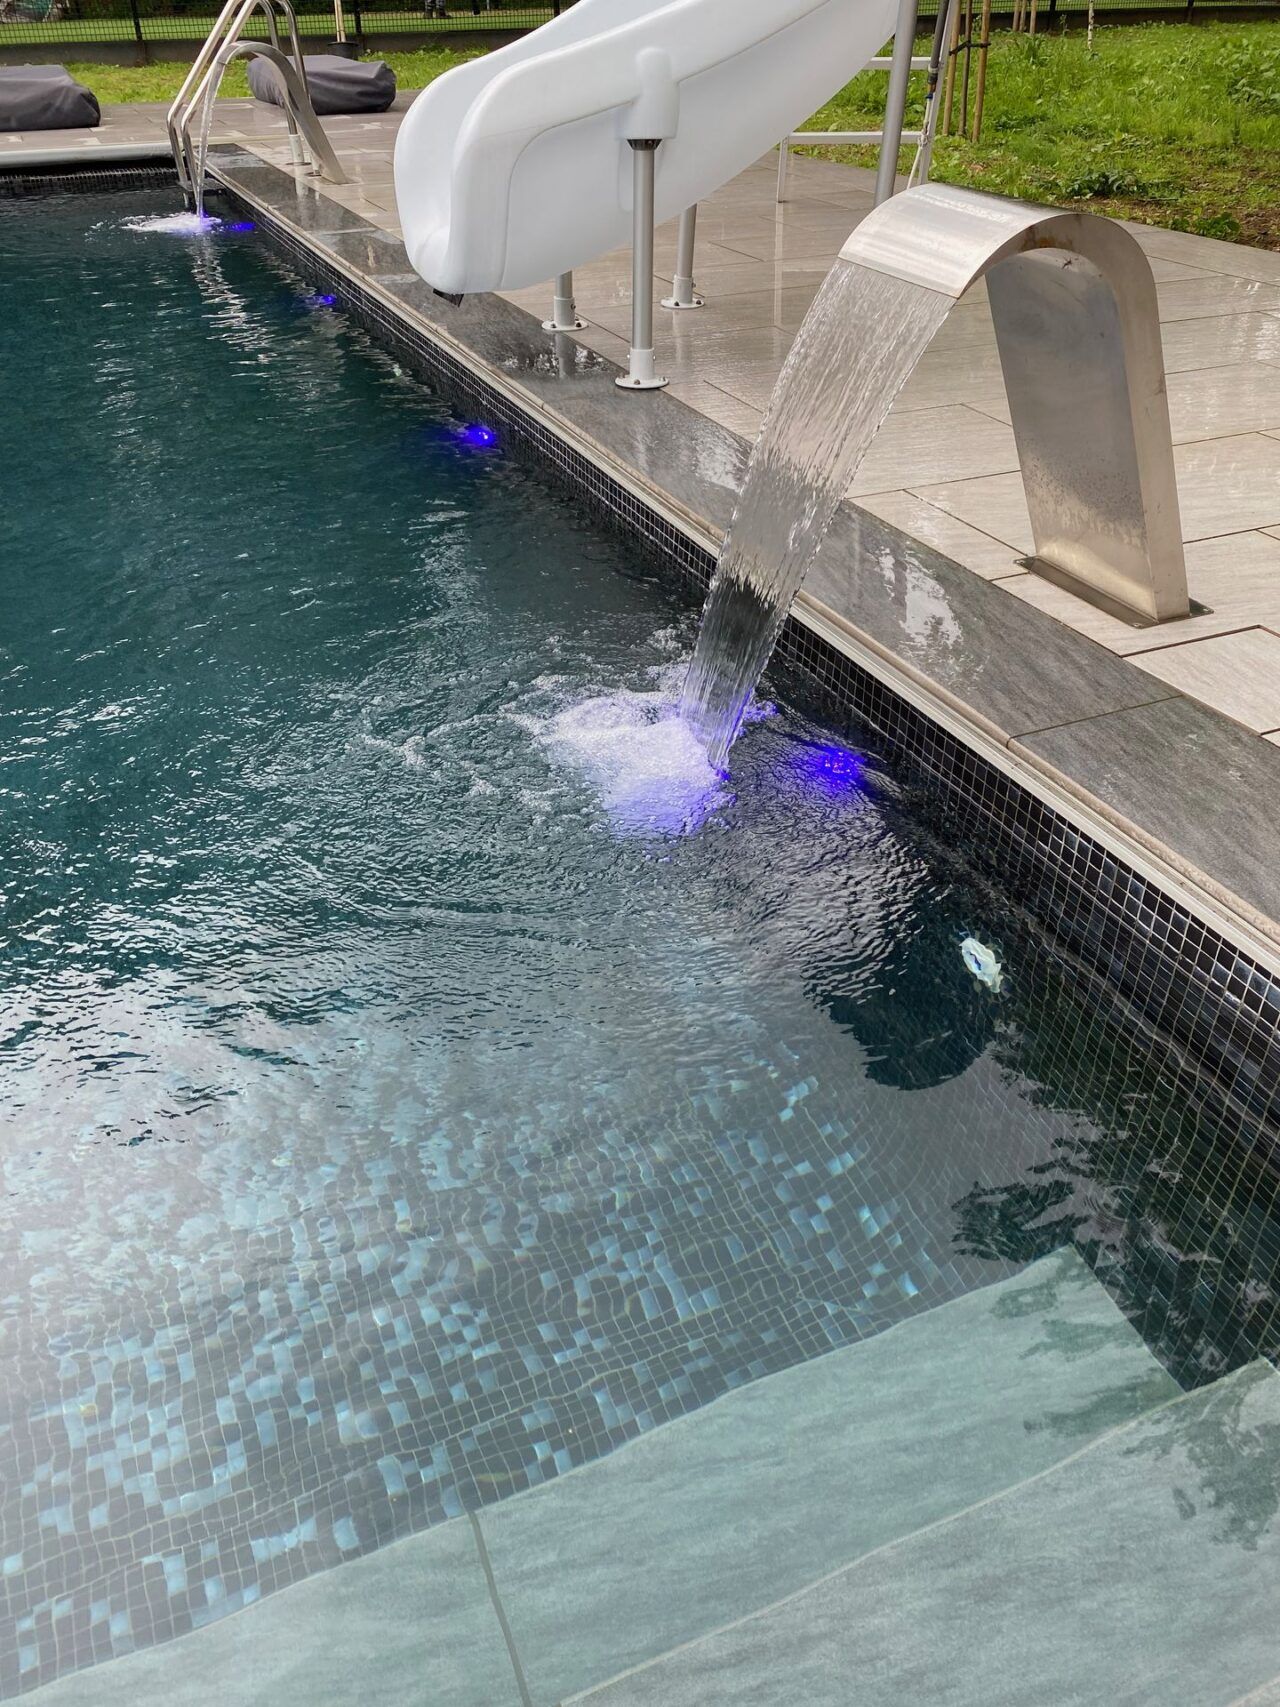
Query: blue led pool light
[
  {"x": 477, "y": 434},
  {"x": 319, "y": 299},
  {"x": 834, "y": 768},
  {"x": 240, "y": 225}
]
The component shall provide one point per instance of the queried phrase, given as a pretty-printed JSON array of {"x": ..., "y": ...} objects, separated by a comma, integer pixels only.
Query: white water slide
[{"x": 517, "y": 167}]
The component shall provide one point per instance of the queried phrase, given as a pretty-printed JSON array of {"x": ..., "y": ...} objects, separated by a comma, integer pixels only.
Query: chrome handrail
[{"x": 200, "y": 88}]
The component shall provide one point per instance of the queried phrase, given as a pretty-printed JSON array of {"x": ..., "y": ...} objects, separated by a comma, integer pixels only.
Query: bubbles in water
[
  {"x": 646, "y": 766},
  {"x": 176, "y": 224}
]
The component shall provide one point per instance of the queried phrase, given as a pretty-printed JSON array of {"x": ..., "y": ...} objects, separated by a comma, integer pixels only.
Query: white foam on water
[
  {"x": 175, "y": 224},
  {"x": 642, "y": 761}
]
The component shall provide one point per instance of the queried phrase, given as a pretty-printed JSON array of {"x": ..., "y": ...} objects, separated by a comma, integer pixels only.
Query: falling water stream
[{"x": 855, "y": 351}]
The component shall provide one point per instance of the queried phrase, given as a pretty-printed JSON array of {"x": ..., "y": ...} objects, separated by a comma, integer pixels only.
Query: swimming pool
[{"x": 421, "y": 1078}]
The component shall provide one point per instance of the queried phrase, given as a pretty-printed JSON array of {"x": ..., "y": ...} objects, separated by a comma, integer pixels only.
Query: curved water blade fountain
[{"x": 1074, "y": 309}]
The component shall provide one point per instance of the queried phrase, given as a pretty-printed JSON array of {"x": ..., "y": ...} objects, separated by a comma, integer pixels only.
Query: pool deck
[{"x": 942, "y": 474}]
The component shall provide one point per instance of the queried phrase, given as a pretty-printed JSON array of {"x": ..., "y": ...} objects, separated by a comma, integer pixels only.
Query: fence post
[
  {"x": 358, "y": 22},
  {"x": 137, "y": 32}
]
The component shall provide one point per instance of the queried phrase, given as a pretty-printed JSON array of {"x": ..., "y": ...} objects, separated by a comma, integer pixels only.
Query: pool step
[
  {"x": 692, "y": 1527},
  {"x": 1142, "y": 1572},
  {"x": 732, "y": 1508}
]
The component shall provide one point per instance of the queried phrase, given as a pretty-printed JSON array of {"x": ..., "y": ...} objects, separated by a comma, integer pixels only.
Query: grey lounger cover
[
  {"x": 336, "y": 85},
  {"x": 44, "y": 97}
]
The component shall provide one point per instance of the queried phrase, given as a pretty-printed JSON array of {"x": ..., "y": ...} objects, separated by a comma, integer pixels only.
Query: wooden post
[
  {"x": 980, "y": 96},
  {"x": 953, "y": 51}
]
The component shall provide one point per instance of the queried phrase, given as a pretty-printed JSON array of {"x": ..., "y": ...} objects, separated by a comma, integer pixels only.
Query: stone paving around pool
[{"x": 944, "y": 469}]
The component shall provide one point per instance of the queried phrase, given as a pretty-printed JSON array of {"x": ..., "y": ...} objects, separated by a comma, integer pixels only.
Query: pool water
[{"x": 421, "y": 1073}]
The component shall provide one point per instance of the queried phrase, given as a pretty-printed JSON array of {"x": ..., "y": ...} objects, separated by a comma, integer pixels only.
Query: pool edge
[{"x": 1247, "y": 926}]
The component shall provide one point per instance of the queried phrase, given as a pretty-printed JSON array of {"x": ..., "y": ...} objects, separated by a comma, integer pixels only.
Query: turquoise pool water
[{"x": 420, "y": 1075}]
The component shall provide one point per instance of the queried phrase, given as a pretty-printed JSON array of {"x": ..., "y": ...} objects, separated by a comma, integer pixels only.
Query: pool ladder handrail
[{"x": 200, "y": 89}]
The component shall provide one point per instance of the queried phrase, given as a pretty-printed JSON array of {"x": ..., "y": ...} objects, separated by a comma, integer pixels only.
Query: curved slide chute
[{"x": 515, "y": 168}]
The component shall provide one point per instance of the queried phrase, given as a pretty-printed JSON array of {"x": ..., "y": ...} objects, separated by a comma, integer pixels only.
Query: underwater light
[
  {"x": 319, "y": 299},
  {"x": 830, "y": 765},
  {"x": 240, "y": 225},
  {"x": 478, "y": 434}
]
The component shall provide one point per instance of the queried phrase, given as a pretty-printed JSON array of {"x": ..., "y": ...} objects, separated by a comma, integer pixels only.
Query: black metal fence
[
  {"x": 45, "y": 23},
  {"x": 48, "y": 22}
]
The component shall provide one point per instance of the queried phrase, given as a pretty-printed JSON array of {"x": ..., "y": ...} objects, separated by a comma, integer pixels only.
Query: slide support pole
[
  {"x": 683, "y": 291},
  {"x": 895, "y": 106},
  {"x": 642, "y": 374},
  {"x": 564, "y": 311}
]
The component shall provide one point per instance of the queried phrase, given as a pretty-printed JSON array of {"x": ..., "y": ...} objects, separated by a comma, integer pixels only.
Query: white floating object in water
[{"x": 982, "y": 962}]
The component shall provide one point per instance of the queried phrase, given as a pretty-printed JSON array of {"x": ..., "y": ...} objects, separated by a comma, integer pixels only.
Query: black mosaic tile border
[
  {"x": 1181, "y": 976},
  {"x": 14, "y": 181}
]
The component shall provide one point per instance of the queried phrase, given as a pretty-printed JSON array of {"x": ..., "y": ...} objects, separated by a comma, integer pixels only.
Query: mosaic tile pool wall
[{"x": 382, "y": 1334}]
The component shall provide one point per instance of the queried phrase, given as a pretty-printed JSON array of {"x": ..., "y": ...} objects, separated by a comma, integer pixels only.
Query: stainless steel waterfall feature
[{"x": 1073, "y": 304}]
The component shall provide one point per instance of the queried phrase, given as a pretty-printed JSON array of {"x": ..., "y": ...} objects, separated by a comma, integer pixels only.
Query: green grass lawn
[
  {"x": 160, "y": 82},
  {"x": 1174, "y": 124}
]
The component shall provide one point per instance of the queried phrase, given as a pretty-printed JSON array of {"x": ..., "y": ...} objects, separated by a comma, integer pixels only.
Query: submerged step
[
  {"x": 411, "y": 1625},
  {"x": 731, "y": 1508},
  {"x": 1142, "y": 1572},
  {"x": 699, "y": 1523}
]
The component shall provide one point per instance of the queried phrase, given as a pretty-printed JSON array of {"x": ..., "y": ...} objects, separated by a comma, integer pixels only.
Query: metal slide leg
[
  {"x": 683, "y": 292},
  {"x": 564, "y": 310},
  {"x": 895, "y": 105},
  {"x": 642, "y": 374},
  {"x": 784, "y": 160},
  {"x": 947, "y": 18}
]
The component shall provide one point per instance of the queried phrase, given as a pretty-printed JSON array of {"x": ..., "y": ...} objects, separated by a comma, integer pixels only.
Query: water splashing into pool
[
  {"x": 177, "y": 224},
  {"x": 636, "y": 754},
  {"x": 855, "y": 351}
]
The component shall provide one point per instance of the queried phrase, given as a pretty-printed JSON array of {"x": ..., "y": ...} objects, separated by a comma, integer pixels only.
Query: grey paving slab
[
  {"x": 1235, "y": 260},
  {"x": 1221, "y": 340},
  {"x": 1236, "y": 576},
  {"x": 976, "y": 551},
  {"x": 1188, "y": 299},
  {"x": 1225, "y": 486},
  {"x": 371, "y": 252},
  {"x": 707, "y": 1518},
  {"x": 1204, "y": 402},
  {"x": 1012, "y": 667},
  {"x": 1238, "y": 674},
  {"x": 412, "y": 1625},
  {"x": 308, "y": 213},
  {"x": 924, "y": 446},
  {"x": 1144, "y": 1573},
  {"x": 1202, "y": 785}
]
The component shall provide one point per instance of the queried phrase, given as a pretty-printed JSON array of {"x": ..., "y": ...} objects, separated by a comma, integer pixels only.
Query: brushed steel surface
[{"x": 1073, "y": 303}]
